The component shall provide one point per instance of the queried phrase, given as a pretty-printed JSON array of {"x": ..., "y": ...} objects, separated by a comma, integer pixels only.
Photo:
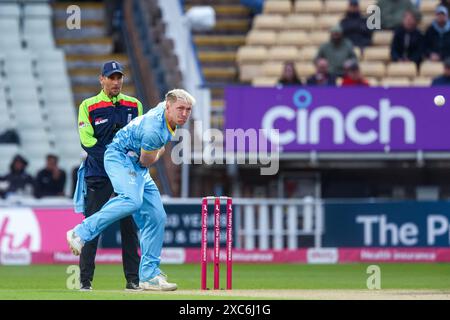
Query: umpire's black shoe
[
  {"x": 85, "y": 287},
  {"x": 133, "y": 287}
]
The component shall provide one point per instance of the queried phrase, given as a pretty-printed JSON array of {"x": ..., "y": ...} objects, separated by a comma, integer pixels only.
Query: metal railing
[
  {"x": 272, "y": 223},
  {"x": 258, "y": 223}
]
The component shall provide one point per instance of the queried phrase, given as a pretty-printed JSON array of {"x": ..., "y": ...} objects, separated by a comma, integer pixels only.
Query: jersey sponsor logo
[
  {"x": 132, "y": 173},
  {"x": 100, "y": 121},
  {"x": 82, "y": 124}
]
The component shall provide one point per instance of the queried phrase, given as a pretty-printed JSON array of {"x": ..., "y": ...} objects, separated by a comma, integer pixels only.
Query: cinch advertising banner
[
  {"x": 340, "y": 119},
  {"x": 387, "y": 225}
]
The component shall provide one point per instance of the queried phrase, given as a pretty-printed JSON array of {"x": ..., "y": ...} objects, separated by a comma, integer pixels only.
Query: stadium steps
[
  {"x": 219, "y": 41},
  {"x": 227, "y": 10},
  {"x": 213, "y": 57},
  {"x": 88, "y": 48},
  {"x": 220, "y": 74},
  {"x": 216, "y": 49},
  {"x": 93, "y": 60},
  {"x": 234, "y": 25}
]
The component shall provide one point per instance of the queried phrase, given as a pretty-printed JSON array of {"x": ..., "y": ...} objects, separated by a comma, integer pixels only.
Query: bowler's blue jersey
[{"x": 150, "y": 131}]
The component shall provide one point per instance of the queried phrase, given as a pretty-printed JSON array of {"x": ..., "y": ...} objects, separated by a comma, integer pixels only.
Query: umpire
[{"x": 99, "y": 118}]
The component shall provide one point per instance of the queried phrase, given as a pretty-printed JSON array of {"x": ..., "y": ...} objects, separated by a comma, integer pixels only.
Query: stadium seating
[
  {"x": 319, "y": 37},
  {"x": 305, "y": 69},
  {"x": 326, "y": 21},
  {"x": 264, "y": 81},
  {"x": 277, "y": 6},
  {"x": 312, "y": 6},
  {"x": 401, "y": 69},
  {"x": 272, "y": 69},
  {"x": 252, "y": 54},
  {"x": 431, "y": 69},
  {"x": 9, "y": 27},
  {"x": 336, "y": 6},
  {"x": 308, "y": 53},
  {"x": 421, "y": 82},
  {"x": 296, "y": 38},
  {"x": 263, "y": 38},
  {"x": 377, "y": 54},
  {"x": 33, "y": 77},
  {"x": 305, "y": 24},
  {"x": 268, "y": 22},
  {"x": 374, "y": 69},
  {"x": 396, "y": 82},
  {"x": 382, "y": 38},
  {"x": 284, "y": 53},
  {"x": 37, "y": 28},
  {"x": 428, "y": 6}
]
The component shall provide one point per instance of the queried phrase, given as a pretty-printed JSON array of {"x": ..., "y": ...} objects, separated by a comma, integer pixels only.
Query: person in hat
[
  {"x": 353, "y": 76},
  {"x": 99, "y": 119},
  {"x": 437, "y": 36},
  {"x": 18, "y": 181},
  {"x": 336, "y": 51},
  {"x": 354, "y": 26},
  {"x": 444, "y": 79}
]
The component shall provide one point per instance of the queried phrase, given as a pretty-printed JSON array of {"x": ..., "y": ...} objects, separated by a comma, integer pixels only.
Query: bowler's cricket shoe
[
  {"x": 75, "y": 242},
  {"x": 158, "y": 283}
]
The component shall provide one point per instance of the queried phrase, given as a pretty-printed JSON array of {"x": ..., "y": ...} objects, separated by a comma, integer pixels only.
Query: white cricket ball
[{"x": 439, "y": 100}]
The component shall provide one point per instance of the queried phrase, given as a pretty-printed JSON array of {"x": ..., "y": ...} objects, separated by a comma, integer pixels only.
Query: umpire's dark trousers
[{"x": 99, "y": 190}]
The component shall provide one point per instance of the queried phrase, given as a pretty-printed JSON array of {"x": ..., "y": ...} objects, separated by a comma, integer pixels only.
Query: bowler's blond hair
[{"x": 175, "y": 94}]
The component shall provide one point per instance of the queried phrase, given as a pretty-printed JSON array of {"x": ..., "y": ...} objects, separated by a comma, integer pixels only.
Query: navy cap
[
  {"x": 111, "y": 67},
  {"x": 353, "y": 2}
]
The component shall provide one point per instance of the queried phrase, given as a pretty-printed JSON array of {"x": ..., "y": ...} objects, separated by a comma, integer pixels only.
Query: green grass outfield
[{"x": 49, "y": 281}]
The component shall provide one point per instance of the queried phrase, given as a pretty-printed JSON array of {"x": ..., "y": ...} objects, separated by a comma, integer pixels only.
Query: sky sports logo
[{"x": 305, "y": 124}]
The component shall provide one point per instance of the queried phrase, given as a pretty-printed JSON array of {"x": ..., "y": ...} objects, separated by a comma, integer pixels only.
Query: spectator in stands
[
  {"x": 444, "y": 79},
  {"x": 392, "y": 12},
  {"x": 353, "y": 76},
  {"x": 19, "y": 182},
  {"x": 407, "y": 44},
  {"x": 354, "y": 26},
  {"x": 336, "y": 51},
  {"x": 322, "y": 77},
  {"x": 50, "y": 181},
  {"x": 289, "y": 75},
  {"x": 437, "y": 36}
]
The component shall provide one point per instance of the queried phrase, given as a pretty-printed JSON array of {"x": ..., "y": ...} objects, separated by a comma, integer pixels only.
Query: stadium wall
[{"x": 352, "y": 232}]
